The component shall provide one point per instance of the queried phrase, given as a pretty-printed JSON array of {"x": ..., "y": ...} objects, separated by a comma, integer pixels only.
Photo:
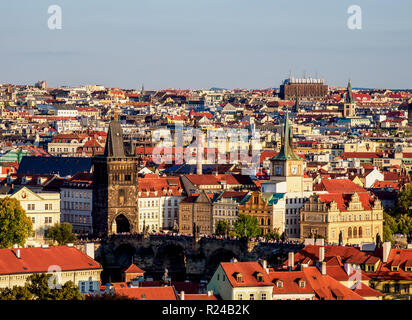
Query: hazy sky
[{"x": 206, "y": 43}]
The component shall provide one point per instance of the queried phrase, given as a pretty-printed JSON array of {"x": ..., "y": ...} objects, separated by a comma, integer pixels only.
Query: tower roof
[
  {"x": 349, "y": 95},
  {"x": 114, "y": 143},
  {"x": 286, "y": 152}
]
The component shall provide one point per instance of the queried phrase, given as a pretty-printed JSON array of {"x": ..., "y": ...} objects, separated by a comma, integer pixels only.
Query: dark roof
[
  {"x": 114, "y": 143},
  {"x": 191, "y": 168},
  {"x": 63, "y": 166}
]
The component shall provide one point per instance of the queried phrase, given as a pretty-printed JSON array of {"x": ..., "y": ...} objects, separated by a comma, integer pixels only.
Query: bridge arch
[
  {"x": 216, "y": 257},
  {"x": 170, "y": 256}
]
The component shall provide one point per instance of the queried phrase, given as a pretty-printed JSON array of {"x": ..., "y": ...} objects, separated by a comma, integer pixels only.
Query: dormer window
[
  {"x": 238, "y": 276},
  {"x": 259, "y": 277},
  {"x": 395, "y": 268},
  {"x": 279, "y": 283},
  {"x": 302, "y": 283}
]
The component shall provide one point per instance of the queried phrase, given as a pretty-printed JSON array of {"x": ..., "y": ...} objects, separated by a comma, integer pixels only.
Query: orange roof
[
  {"x": 290, "y": 282},
  {"x": 345, "y": 254},
  {"x": 340, "y": 186},
  {"x": 38, "y": 259},
  {"x": 133, "y": 269},
  {"x": 327, "y": 288},
  {"x": 365, "y": 291},
  {"x": 249, "y": 271}
]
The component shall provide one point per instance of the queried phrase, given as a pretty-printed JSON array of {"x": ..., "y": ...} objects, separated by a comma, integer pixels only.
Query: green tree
[
  {"x": 246, "y": 226},
  {"x": 272, "y": 235},
  {"x": 404, "y": 224},
  {"x": 61, "y": 233},
  {"x": 222, "y": 228},
  {"x": 38, "y": 285},
  {"x": 15, "y": 226},
  {"x": 68, "y": 291},
  {"x": 389, "y": 227},
  {"x": 37, "y": 288},
  {"x": 16, "y": 293},
  {"x": 405, "y": 201}
]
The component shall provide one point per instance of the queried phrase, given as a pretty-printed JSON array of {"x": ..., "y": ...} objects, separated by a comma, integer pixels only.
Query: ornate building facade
[
  {"x": 342, "y": 218},
  {"x": 115, "y": 187}
]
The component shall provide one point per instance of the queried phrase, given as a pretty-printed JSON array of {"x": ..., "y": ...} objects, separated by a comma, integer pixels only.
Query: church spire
[
  {"x": 349, "y": 95},
  {"x": 286, "y": 152}
]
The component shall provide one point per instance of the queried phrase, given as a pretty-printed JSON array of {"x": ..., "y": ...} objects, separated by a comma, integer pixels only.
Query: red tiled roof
[
  {"x": 37, "y": 259},
  {"x": 386, "y": 184},
  {"x": 365, "y": 291},
  {"x": 364, "y": 155},
  {"x": 248, "y": 270},
  {"x": 133, "y": 269},
  {"x": 340, "y": 186}
]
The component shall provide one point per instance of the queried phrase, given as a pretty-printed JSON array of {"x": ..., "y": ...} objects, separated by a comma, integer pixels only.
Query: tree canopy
[
  {"x": 15, "y": 226},
  {"x": 246, "y": 226},
  {"x": 222, "y": 228},
  {"x": 61, "y": 233},
  {"x": 37, "y": 288}
]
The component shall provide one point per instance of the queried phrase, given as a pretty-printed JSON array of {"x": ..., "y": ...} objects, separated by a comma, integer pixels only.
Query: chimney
[
  {"x": 263, "y": 263},
  {"x": 348, "y": 269},
  {"x": 386, "y": 250},
  {"x": 182, "y": 295},
  {"x": 18, "y": 254},
  {"x": 323, "y": 268},
  {"x": 321, "y": 254},
  {"x": 234, "y": 260},
  {"x": 89, "y": 249},
  {"x": 291, "y": 259}
]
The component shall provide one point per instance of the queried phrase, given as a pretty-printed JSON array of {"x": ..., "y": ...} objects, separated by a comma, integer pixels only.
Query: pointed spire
[
  {"x": 286, "y": 152},
  {"x": 349, "y": 96},
  {"x": 114, "y": 142}
]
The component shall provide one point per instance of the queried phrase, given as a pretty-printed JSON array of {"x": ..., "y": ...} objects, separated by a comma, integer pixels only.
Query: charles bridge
[{"x": 183, "y": 256}]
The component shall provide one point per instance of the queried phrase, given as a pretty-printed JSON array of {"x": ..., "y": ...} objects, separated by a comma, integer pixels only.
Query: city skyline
[{"x": 229, "y": 45}]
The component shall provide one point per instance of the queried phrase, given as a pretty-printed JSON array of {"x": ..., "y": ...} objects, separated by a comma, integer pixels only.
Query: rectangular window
[
  {"x": 252, "y": 296},
  {"x": 263, "y": 296}
]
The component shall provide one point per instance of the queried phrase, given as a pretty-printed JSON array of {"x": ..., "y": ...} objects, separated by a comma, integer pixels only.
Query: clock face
[{"x": 294, "y": 170}]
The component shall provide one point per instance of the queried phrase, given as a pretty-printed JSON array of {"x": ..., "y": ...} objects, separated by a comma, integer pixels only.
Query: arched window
[
  {"x": 355, "y": 232},
  {"x": 360, "y": 232},
  {"x": 349, "y": 232}
]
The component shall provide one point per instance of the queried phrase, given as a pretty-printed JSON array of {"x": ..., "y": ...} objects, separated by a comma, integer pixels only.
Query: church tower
[
  {"x": 287, "y": 166},
  {"x": 349, "y": 104},
  {"x": 115, "y": 208}
]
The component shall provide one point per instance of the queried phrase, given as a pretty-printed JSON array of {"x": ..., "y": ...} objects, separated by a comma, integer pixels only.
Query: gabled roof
[
  {"x": 248, "y": 270},
  {"x": 38, "y": 260},
  {"x": 133, "y": 269}
]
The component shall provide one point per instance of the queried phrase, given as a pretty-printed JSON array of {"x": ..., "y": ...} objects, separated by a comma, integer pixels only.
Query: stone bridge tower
[{"x": 115, "y": 205}]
